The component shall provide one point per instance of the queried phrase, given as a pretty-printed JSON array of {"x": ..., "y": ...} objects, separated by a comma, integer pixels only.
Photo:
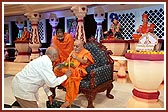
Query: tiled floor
[{"x": 121, "y": 91}]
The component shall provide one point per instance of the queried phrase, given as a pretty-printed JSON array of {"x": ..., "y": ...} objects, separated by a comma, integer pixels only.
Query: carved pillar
[
  {"x": 99, "y": 16},
  {"x": 53, "y": 20},
  {"x": 22, "y": 54},
  {"x": 34, "y": 42},
  {"x": 20, "y": 24},
  {"x": 80, "y": 12}
]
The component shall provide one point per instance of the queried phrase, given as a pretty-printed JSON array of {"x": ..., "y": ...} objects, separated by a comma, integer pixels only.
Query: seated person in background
[
  {"x": 115, "y": 30},
  {"x": 64, "y": 43},
  {"x": 38, "y": 73},
  {"x": 144, "y": 28},
  {"x": 81, "y": 58},
  {"x": 25, "y": 35}
]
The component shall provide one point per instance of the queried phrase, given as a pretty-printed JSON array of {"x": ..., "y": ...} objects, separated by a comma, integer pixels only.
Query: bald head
[
  {"x": 52, "y": 53},
  {"x": 78, "y": 45},
  {"x": 79, "y": 41}
]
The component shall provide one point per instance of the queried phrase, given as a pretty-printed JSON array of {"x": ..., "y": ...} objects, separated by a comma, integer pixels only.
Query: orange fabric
[
  {"x": 78, "y": 72},
  {"x": 144, "y": 16},
  {"x": 65, "y": 47},
  {"x": 147, "y": 28},
  {"x": 144, "y": 29},
  {"x": 136, "y": 36},
  {"x": 25, "y": 35}
]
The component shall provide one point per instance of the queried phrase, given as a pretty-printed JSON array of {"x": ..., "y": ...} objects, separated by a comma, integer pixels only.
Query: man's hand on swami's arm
[{"x": 68, "y": 73}]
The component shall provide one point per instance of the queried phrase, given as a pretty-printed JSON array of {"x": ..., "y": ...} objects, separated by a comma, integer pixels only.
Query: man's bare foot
[{"x": 65, "y": 104}]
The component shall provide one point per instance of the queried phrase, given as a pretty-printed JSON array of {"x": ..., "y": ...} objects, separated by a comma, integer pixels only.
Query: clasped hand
[
  {"x": 73, "y": 56},
  {"x": 68, "y": 73},
  {"x": 59, "y": 66}
]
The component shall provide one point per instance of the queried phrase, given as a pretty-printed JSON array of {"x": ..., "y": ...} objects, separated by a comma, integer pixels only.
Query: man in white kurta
[{"x": 38, "y": 73}]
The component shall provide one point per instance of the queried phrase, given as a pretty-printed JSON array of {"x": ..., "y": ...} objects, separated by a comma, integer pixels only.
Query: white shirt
[{"x": 38, "y": 73}]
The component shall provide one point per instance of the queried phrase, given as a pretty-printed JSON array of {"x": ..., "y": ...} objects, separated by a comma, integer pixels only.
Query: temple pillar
[
  {"x": 20, "y": 24},
  {"x": 34, "y": 42},
  {"x": 53, "y": 20},
  {"x": 22, "y": 53},
  {"x": 80, "y": 12},
  {"x": 99, "y": 16}
]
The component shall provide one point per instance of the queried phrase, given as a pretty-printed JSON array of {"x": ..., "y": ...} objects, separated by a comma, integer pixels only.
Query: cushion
[
  {"x": 100, "y": 67},
  {"x": 99, "y": 55},
  {"x": 103, "y": 74}
]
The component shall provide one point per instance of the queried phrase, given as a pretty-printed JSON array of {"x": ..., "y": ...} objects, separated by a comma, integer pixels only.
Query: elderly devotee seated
[
  {"x": 38, "y": 73},
  {"x": 77, "y": 61},
  {"x": 144, "y": 28}
]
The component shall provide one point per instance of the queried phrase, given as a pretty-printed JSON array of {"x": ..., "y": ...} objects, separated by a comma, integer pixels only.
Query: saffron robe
[
  {"x": 25, "y": 35},
  {"x": 145, "y": 28},
  {"x": 78, "y": 72},
  {"x": 64, "y": 48}
]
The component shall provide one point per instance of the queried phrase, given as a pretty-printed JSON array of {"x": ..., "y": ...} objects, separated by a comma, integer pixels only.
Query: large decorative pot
[
  {"x": 118, "y": 46},
  {"x": 23, "y": 50},
  {"x": 146, "y": 72},
  {"x": 133, "y": 43}
]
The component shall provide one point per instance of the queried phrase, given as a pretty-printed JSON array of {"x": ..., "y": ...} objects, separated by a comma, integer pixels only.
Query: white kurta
[{"x": 38, "y": 73}]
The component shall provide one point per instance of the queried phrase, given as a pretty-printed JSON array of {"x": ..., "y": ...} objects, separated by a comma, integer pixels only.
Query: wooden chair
[{"x": 100, "y": 74}]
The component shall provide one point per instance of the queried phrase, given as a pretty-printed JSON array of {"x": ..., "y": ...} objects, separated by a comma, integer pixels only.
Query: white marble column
[
  {"x": 53, "y": 20},
  {"x": 20, "y": 24},
  {"x": 99, "y": 16},
  {"x": 34, "y": 42},
  {"x": 80, "y": 12}
]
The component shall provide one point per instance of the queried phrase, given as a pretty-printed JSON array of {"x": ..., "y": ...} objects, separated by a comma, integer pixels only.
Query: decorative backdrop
[
  {"x": 131, "y": 19},
  {"x": 41, "y": 29}
]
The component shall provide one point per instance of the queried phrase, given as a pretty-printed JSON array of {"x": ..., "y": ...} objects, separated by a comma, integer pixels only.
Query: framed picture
[
  {"x": 70, "y": 25},
  {"x": 7, "y": 33}
]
